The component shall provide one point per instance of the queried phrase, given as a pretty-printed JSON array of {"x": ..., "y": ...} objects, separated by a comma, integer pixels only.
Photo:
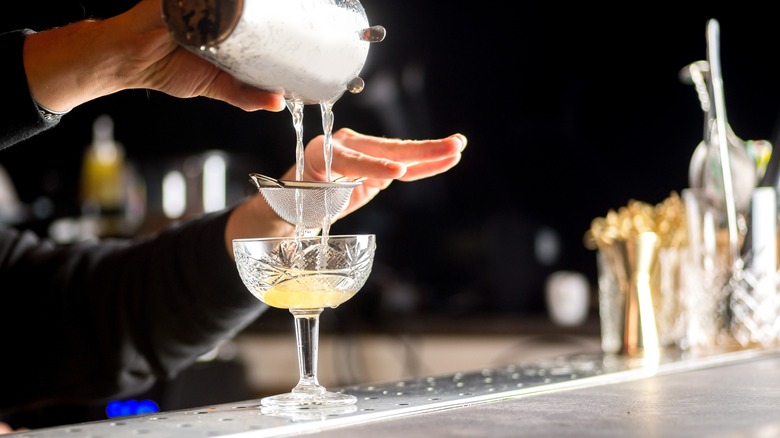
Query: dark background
[{"x": 569, "y": 112}]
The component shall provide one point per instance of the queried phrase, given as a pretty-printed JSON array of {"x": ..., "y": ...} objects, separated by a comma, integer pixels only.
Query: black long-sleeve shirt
[
  {"x": 21, "y": 118},
  {"x": 93, "y": 321}
]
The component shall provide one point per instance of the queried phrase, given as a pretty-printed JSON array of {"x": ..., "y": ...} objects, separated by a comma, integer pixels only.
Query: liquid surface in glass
[{"x": 310, "y": 292}]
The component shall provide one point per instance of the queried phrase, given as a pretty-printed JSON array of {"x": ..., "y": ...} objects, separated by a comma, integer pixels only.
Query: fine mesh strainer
[{"x": 319, "y": 199}]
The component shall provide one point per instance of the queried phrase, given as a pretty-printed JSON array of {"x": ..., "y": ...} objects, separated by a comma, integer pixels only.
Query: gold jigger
[
  {"x": 640, "y": 334},
  {"x": 633, "y": 263}
]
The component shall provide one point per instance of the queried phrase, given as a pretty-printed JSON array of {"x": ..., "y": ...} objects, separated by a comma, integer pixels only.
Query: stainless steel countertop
[{"x": 591, "y": 394}]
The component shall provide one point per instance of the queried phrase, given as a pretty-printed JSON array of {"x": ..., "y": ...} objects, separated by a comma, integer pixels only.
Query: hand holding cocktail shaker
[{"x": 309, "y": 50}]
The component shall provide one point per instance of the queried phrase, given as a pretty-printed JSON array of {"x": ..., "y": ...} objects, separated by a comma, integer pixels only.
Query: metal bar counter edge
[{"x": 719, "y": 394}]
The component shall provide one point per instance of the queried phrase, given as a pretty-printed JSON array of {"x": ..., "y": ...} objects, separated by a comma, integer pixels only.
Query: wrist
[
  {"x": 48, "y": 114},
  {"x": 70, "y": 65},
  {"x": 255, "y": 218}
]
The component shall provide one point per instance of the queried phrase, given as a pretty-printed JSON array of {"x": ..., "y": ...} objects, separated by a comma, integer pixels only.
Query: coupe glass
[{"x": 306, "y": 275}]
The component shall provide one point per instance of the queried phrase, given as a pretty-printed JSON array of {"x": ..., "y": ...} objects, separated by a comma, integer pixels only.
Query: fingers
[
  {"x": 428, "y": 169},
  {"x": 165, "y": 66},
  {"x": 346, "y": 163},
  {"x": 383, "y": 160},
  {"x": 374, "y": 156},
  {"x": 353, "y": 164},
  {"x": 246, "y": 97},
  {"x": 404, "y": 151}
]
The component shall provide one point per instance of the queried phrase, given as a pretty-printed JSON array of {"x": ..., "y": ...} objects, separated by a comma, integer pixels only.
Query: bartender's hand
[
  {"x": 378, "y": 160},
  {"x": 73, "y": 64}
]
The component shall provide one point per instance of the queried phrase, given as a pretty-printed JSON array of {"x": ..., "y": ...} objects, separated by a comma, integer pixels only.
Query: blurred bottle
[
  {"x": 768, "y": 161},
  {"x": 104, "y": 180}
]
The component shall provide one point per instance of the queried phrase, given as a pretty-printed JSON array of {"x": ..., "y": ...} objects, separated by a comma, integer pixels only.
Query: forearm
[
  {"x": 131, "y": 312},
  {"x": 60, "y": 84}
]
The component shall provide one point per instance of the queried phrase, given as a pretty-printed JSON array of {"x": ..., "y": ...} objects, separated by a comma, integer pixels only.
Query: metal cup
[{"x": 309, "y": 50}]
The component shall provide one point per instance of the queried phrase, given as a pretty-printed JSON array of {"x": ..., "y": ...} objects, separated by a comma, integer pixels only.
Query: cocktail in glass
[{"x": 306, "y": 275}]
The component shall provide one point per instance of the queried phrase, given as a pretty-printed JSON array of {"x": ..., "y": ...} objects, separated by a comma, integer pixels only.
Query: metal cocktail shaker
[{"x": 309, "y": 50}]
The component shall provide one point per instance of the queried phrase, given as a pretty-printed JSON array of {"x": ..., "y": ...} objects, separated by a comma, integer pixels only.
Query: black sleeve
[
  {"x": 21, "y": 118},
  {"x": 94, "y": 321}
]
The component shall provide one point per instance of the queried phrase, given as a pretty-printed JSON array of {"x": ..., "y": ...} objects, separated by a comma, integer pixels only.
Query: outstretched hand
[{"x": 379, "y": 161}]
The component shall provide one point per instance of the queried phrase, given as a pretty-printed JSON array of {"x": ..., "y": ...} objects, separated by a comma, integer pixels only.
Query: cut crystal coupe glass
[{"x": 306, "y": 275}]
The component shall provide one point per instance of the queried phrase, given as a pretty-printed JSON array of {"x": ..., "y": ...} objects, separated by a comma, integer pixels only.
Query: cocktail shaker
[{"x": 309, "y": 50}]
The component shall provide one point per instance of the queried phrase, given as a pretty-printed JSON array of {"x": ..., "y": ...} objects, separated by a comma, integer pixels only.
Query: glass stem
[{"x": 307, "y": 334}]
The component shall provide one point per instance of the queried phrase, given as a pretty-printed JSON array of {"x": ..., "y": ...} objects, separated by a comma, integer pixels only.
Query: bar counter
[{"x": 719, "y": 394}]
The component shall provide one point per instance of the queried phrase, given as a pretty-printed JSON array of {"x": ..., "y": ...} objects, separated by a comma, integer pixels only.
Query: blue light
[{"x": 130, "y": 407}]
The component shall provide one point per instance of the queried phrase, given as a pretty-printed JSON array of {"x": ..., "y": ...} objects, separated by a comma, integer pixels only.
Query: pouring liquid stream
[
  {"x": 326, "y": 107},
  {"x": 296, "y": 106}
]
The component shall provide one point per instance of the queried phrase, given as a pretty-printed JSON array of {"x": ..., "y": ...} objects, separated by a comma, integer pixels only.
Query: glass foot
[
  {"x": 307, "y": 413},
  {"x": 298, "y": 399}
]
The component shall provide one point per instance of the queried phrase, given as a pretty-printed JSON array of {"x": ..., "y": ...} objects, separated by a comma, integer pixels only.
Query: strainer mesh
[{"x": 318, "y": 203}]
